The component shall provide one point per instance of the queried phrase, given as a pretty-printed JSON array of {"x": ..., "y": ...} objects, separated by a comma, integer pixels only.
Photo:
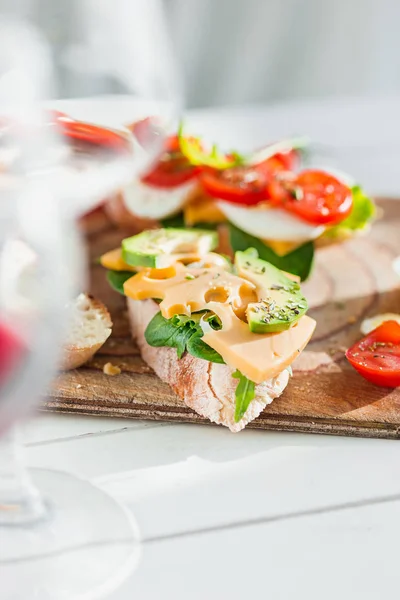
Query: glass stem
[{"x": 20, "y": 502}]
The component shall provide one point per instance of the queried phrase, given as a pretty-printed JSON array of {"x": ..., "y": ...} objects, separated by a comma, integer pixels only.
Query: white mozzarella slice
[
  {"x": 155, "y": 203},
  {"x": 269, "y": 223}
]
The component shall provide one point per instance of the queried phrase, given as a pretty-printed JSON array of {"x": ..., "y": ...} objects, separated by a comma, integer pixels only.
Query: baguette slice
[
  {"x": 90, "y": 326},
  {"x": 208, "y": 388}
]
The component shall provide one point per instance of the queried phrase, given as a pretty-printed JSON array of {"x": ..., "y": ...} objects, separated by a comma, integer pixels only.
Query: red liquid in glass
[{"x": 11, "y": 349}]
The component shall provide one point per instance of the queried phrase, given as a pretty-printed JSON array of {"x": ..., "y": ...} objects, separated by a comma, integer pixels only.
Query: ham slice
[{"x": 207, "y": 388}]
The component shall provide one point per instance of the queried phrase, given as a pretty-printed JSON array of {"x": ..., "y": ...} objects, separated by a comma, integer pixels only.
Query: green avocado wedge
[
  {"x": 149, "y": 248},
  {"x": 281, "y": 302}
]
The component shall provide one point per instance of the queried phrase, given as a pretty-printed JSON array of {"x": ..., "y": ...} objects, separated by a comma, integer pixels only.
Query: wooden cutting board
[{"x": 350, "y": 282}]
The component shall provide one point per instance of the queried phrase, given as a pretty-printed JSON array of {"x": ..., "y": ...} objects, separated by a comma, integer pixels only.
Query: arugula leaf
[
  {"x": 199, "y": 349},
  {"x": 245, "y": 393},
  {"x": 175, "y": 221},
  {"x": 117, "y": 279},
  {"x": 183, "y": 333},
  {"x": 299, "y": 261},
  {"x": 361, "y": 214},
  {"x": 214, "y": 321},
  {"x": 178, "y": 221},
  {"x": 163, "y": 332}
]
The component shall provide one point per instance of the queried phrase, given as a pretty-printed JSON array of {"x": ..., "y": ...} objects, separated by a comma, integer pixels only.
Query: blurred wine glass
[{"x": 54, "y": 167}]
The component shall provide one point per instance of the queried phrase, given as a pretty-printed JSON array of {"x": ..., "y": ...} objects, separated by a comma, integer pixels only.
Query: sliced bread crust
[{"x": 90, "y": 326}]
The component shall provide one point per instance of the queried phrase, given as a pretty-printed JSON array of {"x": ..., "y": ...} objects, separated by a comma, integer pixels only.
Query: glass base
[{"x": 83, "y": 547}]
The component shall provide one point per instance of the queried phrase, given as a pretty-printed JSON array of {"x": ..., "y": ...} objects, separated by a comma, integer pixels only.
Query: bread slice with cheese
[
  {"x": 208, "y": 388},
  {"x": 222, "y": 335}
]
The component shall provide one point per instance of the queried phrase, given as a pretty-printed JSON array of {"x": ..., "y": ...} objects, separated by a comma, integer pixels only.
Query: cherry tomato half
[
  {"x": 172, "y": 168},
  {"x": 377, "y": 356},
  {"x": 240, "y": 185},
  {"x": 315, "y": 196}
]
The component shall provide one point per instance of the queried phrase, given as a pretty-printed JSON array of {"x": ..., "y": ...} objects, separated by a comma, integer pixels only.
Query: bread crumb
[
  {"x": 78, "y": 387},
  {"x": 110, "y": 369}
]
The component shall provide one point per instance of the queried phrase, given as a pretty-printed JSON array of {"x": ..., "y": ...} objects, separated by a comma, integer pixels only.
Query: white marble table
[{"x": 257, "y": 514}]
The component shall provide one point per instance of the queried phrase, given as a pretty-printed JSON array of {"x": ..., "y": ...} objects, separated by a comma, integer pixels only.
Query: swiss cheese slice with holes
[{"x": 183, "y": 290}]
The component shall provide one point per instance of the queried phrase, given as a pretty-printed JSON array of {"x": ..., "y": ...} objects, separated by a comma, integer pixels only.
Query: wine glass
[{"x": 52, "y": 523}]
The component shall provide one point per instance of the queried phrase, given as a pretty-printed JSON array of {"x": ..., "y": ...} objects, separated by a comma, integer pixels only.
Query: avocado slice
[
  {"x": 148, "y": 248},
  {"x": 281, "y": 302}
]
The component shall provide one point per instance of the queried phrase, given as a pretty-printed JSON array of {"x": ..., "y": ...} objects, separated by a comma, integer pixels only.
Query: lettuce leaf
[
  {"x": 199, "y": 349},
  {"x": 244, "y": 394},
  {"x": 299, "y": 261},
  {"x": 183, "y": 333},
  {"x": 178, "y": 221},
  {"x": 362, "y": 213},
  {"x": 116, "y": 279}
]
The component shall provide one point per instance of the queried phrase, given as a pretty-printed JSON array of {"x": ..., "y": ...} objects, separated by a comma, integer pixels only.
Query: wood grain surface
[{"x": 350, "y": 282}]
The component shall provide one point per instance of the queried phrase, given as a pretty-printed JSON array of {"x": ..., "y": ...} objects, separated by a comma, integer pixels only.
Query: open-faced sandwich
[
  {"x": 265, "y": 200},
  {"x": 223, "y": 335}
]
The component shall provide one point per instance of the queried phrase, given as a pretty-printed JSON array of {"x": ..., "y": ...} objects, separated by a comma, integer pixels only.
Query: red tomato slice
[
  {"x": 93, "y": 134},
  {"x": 281, "y": 161},
  {"x": 315, "y": 196},
  {"x": 377, "y": 356},
  {"x": 172, "y": 168},
  {"x": 240, "y": 185}
]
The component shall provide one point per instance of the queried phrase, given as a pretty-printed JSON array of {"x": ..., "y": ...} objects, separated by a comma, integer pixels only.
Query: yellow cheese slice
[
  {"x": 258, "y": 356},
  {"x": 184, "y": 290},
  {"x": 203, "y": 210},
  {"x": 282, "y": 248},
  {"x": 113, "y": 260}
]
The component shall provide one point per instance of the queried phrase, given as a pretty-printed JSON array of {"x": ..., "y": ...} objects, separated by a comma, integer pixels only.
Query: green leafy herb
[
  {"x": 183, "y": 333},
  {"x": 164, "y": 332},
  {"x": 214, "y": 321},
  {"x": 199, "y": 349},
  {"x": 117, "y": 279},
  {"x": 362, "y": 213},
  {"x": 177, "y": 221},
  {"x": 299, "y": 261},
  {"x": 245, "y": 393}
]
